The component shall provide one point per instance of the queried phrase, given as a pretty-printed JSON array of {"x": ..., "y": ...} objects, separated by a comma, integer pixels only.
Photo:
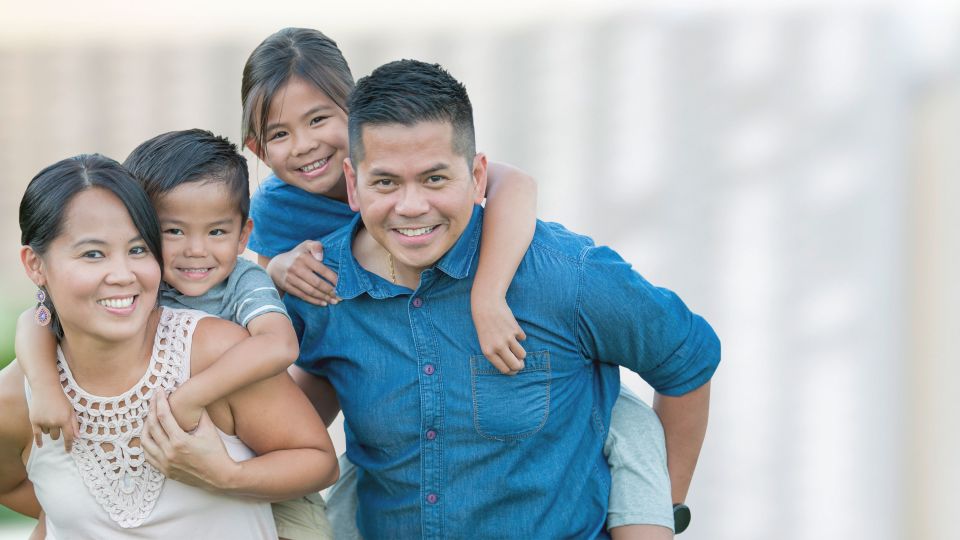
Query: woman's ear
[{"x": 33, "y": 265}]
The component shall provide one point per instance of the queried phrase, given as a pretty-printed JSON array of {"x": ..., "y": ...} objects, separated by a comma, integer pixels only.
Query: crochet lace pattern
[{"x": 108, "y": 453}]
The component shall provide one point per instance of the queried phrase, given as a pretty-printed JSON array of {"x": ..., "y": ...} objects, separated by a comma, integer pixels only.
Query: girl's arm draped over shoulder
[
  {"x": 294, "y": 453},
  {"x": 301, "y": 272},
  {"x": 510, "y": 219},
  {"x": 16, "y": 491}
]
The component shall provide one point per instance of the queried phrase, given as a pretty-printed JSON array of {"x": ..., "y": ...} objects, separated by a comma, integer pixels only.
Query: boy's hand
[
  {"x": 301, "y": 272},
  {"x": 499, "y": 333},
  {"x": 186, "y": 413},
  {"x": 53, "y": 414}
]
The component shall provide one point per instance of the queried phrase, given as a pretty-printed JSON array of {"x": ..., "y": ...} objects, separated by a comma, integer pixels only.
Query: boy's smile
[{"x": 202, "y": 235}]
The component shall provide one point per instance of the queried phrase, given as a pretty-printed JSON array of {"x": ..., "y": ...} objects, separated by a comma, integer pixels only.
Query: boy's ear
[
  {"x": 251, "y": 144},
  {"x": 33, "y": 265},
  {"x": 351, "y": 176},
  {"x": 244, "y": 236}
]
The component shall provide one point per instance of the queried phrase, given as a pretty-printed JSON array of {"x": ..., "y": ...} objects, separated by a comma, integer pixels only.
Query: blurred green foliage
[
  {"x": 9, "y": 517},
  {"x": 8, "y": 324}
]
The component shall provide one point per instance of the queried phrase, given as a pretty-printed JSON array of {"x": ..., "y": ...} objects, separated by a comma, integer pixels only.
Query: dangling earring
[{"x": 42, "y": 315}]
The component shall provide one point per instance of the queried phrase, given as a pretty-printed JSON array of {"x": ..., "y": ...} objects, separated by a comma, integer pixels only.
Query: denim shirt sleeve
[
  {"x": 304, "y": 317},
  {"x": 623, "y": 319}
]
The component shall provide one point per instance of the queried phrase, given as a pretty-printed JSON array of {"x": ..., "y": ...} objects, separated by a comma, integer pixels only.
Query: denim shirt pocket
[{"x": 510, "y": 407}]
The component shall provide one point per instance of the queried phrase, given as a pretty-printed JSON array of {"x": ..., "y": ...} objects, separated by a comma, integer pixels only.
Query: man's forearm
[{"x": 684, "y": 420}]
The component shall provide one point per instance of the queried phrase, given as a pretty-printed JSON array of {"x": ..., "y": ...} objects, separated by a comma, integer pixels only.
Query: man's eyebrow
[{"x": 428, "y": 170}]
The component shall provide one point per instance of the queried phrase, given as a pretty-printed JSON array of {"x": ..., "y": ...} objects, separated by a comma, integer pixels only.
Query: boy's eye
[
  {"x": 218, "y": 232},
  {"x": 173, "y": 231},
  {"x": 92, "y": 254}
]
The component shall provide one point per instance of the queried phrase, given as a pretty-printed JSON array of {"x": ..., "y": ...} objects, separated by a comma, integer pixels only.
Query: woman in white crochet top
[{"x": 91, "y": 242}]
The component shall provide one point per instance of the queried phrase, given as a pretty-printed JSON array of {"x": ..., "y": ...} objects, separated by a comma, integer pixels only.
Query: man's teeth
[
  {"x": 315, "y": 165},
  {"x": 116, "y": 303},
  {"x": 416, "y": 232}
]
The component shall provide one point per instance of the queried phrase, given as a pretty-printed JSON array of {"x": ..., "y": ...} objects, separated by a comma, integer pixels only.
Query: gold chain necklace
[{"x": 393, "y": 271}]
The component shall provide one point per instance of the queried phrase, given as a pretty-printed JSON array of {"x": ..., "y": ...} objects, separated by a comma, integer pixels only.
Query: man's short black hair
[
  {"x": 172, "y": 159},
  {"x": 408, "y": 92}
]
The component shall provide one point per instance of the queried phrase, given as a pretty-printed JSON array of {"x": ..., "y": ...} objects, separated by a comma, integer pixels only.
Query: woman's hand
[
  {"x": 301, "y": 272},
  {"x": 198, "y": 459}
]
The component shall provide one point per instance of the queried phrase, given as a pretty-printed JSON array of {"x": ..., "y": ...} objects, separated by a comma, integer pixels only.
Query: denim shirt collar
[{"x": 354, "y": 280}]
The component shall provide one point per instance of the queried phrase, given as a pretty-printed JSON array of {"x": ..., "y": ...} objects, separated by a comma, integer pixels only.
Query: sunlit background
[{"x": 793, "y": 173}]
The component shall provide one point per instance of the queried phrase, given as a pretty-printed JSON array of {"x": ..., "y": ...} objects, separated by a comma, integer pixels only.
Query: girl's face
[
  {"x": 306, "y": 139},
  {"x": 99, "y": 273}
]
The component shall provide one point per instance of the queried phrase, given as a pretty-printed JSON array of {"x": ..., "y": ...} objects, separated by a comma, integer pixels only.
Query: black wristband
[{"x": 681, "y": 518}]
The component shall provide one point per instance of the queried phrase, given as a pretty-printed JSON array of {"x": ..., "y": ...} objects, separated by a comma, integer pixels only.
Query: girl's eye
[
  {"x": 139, "y": 250},
  {"x": 92, "y": 254},
  {"x": 277, "y": 135},
  {"x": 175, "y": 232},
  {"x": 218, "y": 232},
  {"x": 317, "y": 120}
]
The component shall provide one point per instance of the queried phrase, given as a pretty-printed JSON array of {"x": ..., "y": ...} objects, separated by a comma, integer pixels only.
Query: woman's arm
[
  {"x": 272, "y": 417},
  {"x": 16, "y": 491},
  {"x": 508, "y": 226}
]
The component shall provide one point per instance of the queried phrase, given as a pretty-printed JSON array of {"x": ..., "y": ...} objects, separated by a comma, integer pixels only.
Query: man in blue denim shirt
[{"x": 447, "y": 446}]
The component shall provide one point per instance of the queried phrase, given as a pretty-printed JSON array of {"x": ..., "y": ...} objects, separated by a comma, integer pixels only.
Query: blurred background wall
[{"x": 792, "y": 173}]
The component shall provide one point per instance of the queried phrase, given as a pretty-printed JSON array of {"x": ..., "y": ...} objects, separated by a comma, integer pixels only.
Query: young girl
[{"x": 294, "y": 93}]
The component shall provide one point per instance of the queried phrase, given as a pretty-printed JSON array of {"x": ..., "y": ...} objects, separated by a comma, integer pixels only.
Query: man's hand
[
  {"x": 199, "y": 459},
  {"x": 499, "y": 333},
  {"x": 53, "y": 414},
  {"x": 301, "y": 272}
]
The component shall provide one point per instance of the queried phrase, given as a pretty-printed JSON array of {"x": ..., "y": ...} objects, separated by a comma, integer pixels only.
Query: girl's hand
[
  {"x": 301, "y": 272},
  {"x": 499, "y": 333},
  {"x": 53, "y": 414},
  {"x": 197, "y": 459}
]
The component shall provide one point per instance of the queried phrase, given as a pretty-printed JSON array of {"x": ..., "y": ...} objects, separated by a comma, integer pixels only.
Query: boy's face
[
  {"x": 414, "y": 192},
  {"x": 202, "y": 235},
  {"x": 306, "y": 139}
]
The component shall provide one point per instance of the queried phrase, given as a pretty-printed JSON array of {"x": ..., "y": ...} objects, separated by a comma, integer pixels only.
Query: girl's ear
[
  {"x": 251, "y": 144},
  {"x": 32, "y": 265}
]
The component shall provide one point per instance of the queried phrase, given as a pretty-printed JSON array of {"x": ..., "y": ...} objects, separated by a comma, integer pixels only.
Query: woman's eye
[
  {"x": 175, "y": 232},
  {"x": 92, "y": 254},
  {"x": 139, "y": 250}
]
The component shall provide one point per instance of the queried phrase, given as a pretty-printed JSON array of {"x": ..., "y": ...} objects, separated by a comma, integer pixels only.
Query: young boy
[{"x": 199, "y": 185}]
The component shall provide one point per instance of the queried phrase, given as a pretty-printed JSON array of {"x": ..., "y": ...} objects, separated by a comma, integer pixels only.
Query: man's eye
[
  {"x": 435, "y": 179},
  {"x": 175, "y": 232},
  {"x": 383, "y": 182}
]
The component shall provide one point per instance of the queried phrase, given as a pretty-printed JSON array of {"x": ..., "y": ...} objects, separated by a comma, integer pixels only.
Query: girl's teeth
[
  {"x": 315, "y": 165},
  {"x": 415, "y": 232},
  {"x": 116, "y": 303}
]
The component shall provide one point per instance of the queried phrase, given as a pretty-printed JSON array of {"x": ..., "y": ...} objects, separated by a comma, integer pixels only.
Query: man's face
[{"x": 414, "y": 192}]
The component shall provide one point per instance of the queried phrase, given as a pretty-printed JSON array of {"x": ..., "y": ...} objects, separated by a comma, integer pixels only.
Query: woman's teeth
[{"x": 116, "y": 303}]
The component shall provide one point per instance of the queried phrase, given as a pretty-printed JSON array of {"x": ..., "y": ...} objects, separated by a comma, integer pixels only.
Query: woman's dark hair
[
  {"x": 300, "y": 52},
  {"x": 169, "y": 160},
  {"x": 44, "y": 204}
]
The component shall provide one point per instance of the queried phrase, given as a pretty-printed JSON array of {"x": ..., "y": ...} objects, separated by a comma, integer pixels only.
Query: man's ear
[
  {"x": 480, "y": 177},
  {"x": 33, "y": 266},
  {"x": 244, "y": 236},
  {"x": 351, "y": 175}
]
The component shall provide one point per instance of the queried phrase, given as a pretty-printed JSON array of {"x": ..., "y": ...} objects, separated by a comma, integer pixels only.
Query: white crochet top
[{"x": 105, "y": 485}]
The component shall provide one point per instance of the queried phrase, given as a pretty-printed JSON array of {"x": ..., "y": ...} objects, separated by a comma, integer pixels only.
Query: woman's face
[{"x": 99, "y": 273}]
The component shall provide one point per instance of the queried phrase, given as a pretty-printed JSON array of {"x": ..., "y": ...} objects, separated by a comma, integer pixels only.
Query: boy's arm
[
  {"x": 684, "y": 420},
  {"x": 301, "y": 272},
  {"x": 16, "y": 491},
  {"x": 270, "y": 349},
  {"x": 50, "y": 410},
  {"x": 508, "y": 226}
]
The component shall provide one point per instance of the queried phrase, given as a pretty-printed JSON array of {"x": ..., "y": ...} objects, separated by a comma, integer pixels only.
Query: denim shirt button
[
  {"x": 428, "y": 369},
  {"x": 417, "y": 302},
  {"x": 432, "y": 498},
  {"x": 431, "y": 434}
]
